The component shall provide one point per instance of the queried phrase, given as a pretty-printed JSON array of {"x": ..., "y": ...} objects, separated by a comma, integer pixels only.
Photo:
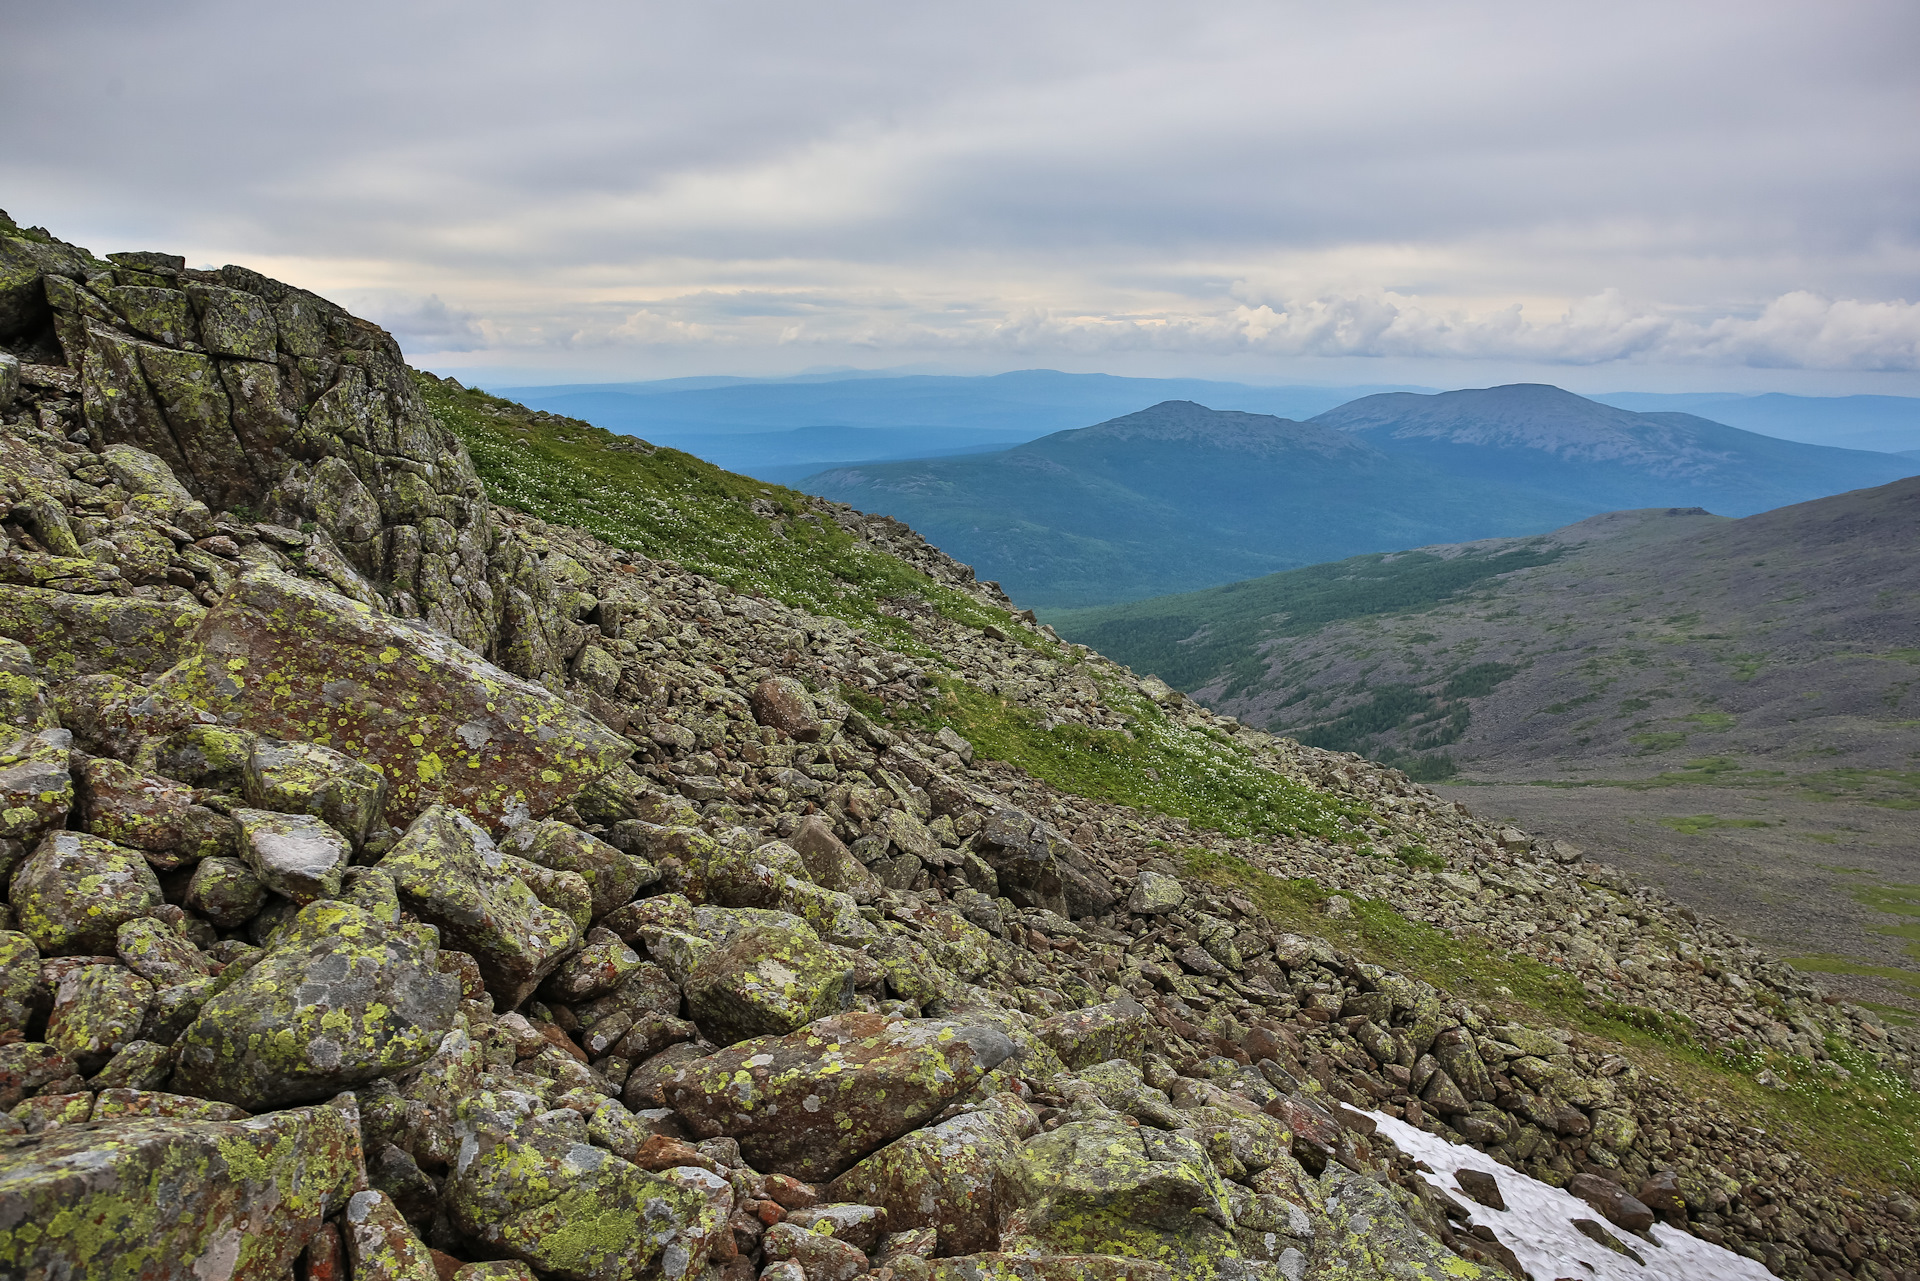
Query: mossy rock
[
  {"x": 75, "y": 891},
  {"x": 447, "y": 871},
  {"x": 339, "y": 999},
  {"x": 528, "y": 1185},
  {"x": 814, "y": 1102},
  {"x": 153, "y": 1196},
  {"x": 73, "y": 635},
  {"x": 285, "y": 657}
]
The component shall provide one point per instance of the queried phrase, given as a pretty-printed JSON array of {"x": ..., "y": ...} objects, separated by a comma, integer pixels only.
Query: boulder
[
  {"x": 225, "y": 891},
  {"x": 814, "y": 1102},
  {"x": 294, "y": 855},
  {"x": 612, "y": 877},
  {"x": 829, "y": 863},
  {"x": 307, "y": 778},
  {"x": 767, "y": 981},
  {"x": 1038, "y": 867},
  {"x": 949, "y": 1177},
  {"x": 156, "y": 816},
  {"x": 20, "y": 990},
  {"x": 822, "y": 1256},
  {"x": 601, "y": 967},
  {"x": 1117, "y": 1030},
  {"x": 36, "y": 791},
  {"x": 282, "y": 656},
  {"x": 338, "y": 999},
  {"x": 241, "y": 1198},
  {"x": 784, "y": 704},
  {"x": 75, "y": 891},
  {"x": 1621, "y": 1208},
  {"x": 527, "y": 1183},
  {"x": 1373, "y": 1236},
  {"x": 448, "y": 873},
  {"x": 1155, "y": 893},
  {"x": 380, "y": 1244},
  {"x": 159, "y": 953},
  {"x": 1106, "y": 1186},
  {"x": 154, "y": 490},
  {"x": 97, "y": 1010},
  {"x": 26, "y": 1067},
  {"x": 858, "y": 1224},
  {"x": 74, "y": 635}
]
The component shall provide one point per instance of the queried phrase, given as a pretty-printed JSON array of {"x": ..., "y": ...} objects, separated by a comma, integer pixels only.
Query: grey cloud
[{"x": 1389, "y": 181}]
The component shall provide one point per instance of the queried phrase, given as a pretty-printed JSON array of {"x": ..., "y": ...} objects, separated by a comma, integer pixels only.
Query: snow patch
[{"x": 1537, "y": 1224}]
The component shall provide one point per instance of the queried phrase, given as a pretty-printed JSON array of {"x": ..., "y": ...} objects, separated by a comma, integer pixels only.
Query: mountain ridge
[{"x": 1178, "y": 497}]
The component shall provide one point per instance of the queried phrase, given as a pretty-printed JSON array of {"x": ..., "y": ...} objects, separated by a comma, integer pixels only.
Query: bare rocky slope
[{"x": 403, "y": 881}]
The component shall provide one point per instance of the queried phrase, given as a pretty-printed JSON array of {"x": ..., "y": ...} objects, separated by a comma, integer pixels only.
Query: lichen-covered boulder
[
  {"x": 307, "y": 778},
  {"x": 295, "y": 855},
  {"x": 154, "y": 490},
  {"x": 601, "y": 967},
  {"x": 1155, "y": 893},
  {"x": 813, "y": 1102},
  {"x": 225, "y": 891},
  {"x": 1106, "y": 1186},
  {"x": 1039, "y": 867},
  {"x": 75, "y": 891},
  {"x": 159, "y": 954},
  {"x": 210, "y": 756},
  {"x": 36, "y": 791},
  {"x": 175, "y": 1199},
  {"x": 1375, "y": 1239},
  {"x": 75, "y": 635},
  {"x": 157, "y": 816},
  {"x": 339, "y": 999},
  {"x": 994, "y": 1266},
  {"x": 19, "y": 980},
  {"x": 26, "y": 1067},
  {"x": 1099, "y": 1033},
  {"x": 381, "y": 1245},
  {"x": 97, "y": 1010},
  {"x": 820, "y": 1254},
  {"x": 830, "y": 864},
  {"x": 949, "y": 1177},
  {"x": 527, "y": 1183},
  {"x": 768, "y": 981},
  {"x": 448, "y": 872},
  {"x": 283, "y": 656},
  {"x": 612, "y": 876},
  {"x": 23, "y": 693}
]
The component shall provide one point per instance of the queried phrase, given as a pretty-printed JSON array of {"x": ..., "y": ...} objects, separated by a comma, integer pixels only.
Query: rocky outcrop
[{"x": 312, "y": 789}]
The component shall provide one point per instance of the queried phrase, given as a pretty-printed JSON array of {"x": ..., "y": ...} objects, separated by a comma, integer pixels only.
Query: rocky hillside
[
  {"x": 1726, "y": 704},
  {"x": 446, "y": 841}
]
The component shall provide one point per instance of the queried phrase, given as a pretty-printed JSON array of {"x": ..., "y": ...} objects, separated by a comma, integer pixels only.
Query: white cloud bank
[{"x": 1726, "y": 184}]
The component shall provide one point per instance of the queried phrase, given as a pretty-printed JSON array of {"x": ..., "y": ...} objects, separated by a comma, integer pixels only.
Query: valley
[{"x": 1724, "y": 706}]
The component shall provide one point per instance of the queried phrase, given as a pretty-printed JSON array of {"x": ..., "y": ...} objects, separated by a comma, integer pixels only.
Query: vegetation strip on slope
[{"x": 1862, "y": 1120}]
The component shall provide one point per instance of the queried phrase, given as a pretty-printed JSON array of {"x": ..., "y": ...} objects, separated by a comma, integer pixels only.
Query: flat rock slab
[
  {"x": 175, "y": 1200},
  {"x": 813, "y": 1102},
  {"x": 73, "y": 635},
  {"x": 285, "y": 657}
]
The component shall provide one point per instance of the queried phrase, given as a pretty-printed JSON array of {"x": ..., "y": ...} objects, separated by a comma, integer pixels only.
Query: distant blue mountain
[
  {"x": 1180, "y": 496},
  {"x": 1013, "y": 407},
  {"x": 1890, "y": 424}
]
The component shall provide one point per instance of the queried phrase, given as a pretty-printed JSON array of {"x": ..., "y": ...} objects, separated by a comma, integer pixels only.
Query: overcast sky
[{"x": 1609, "y": 196}]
